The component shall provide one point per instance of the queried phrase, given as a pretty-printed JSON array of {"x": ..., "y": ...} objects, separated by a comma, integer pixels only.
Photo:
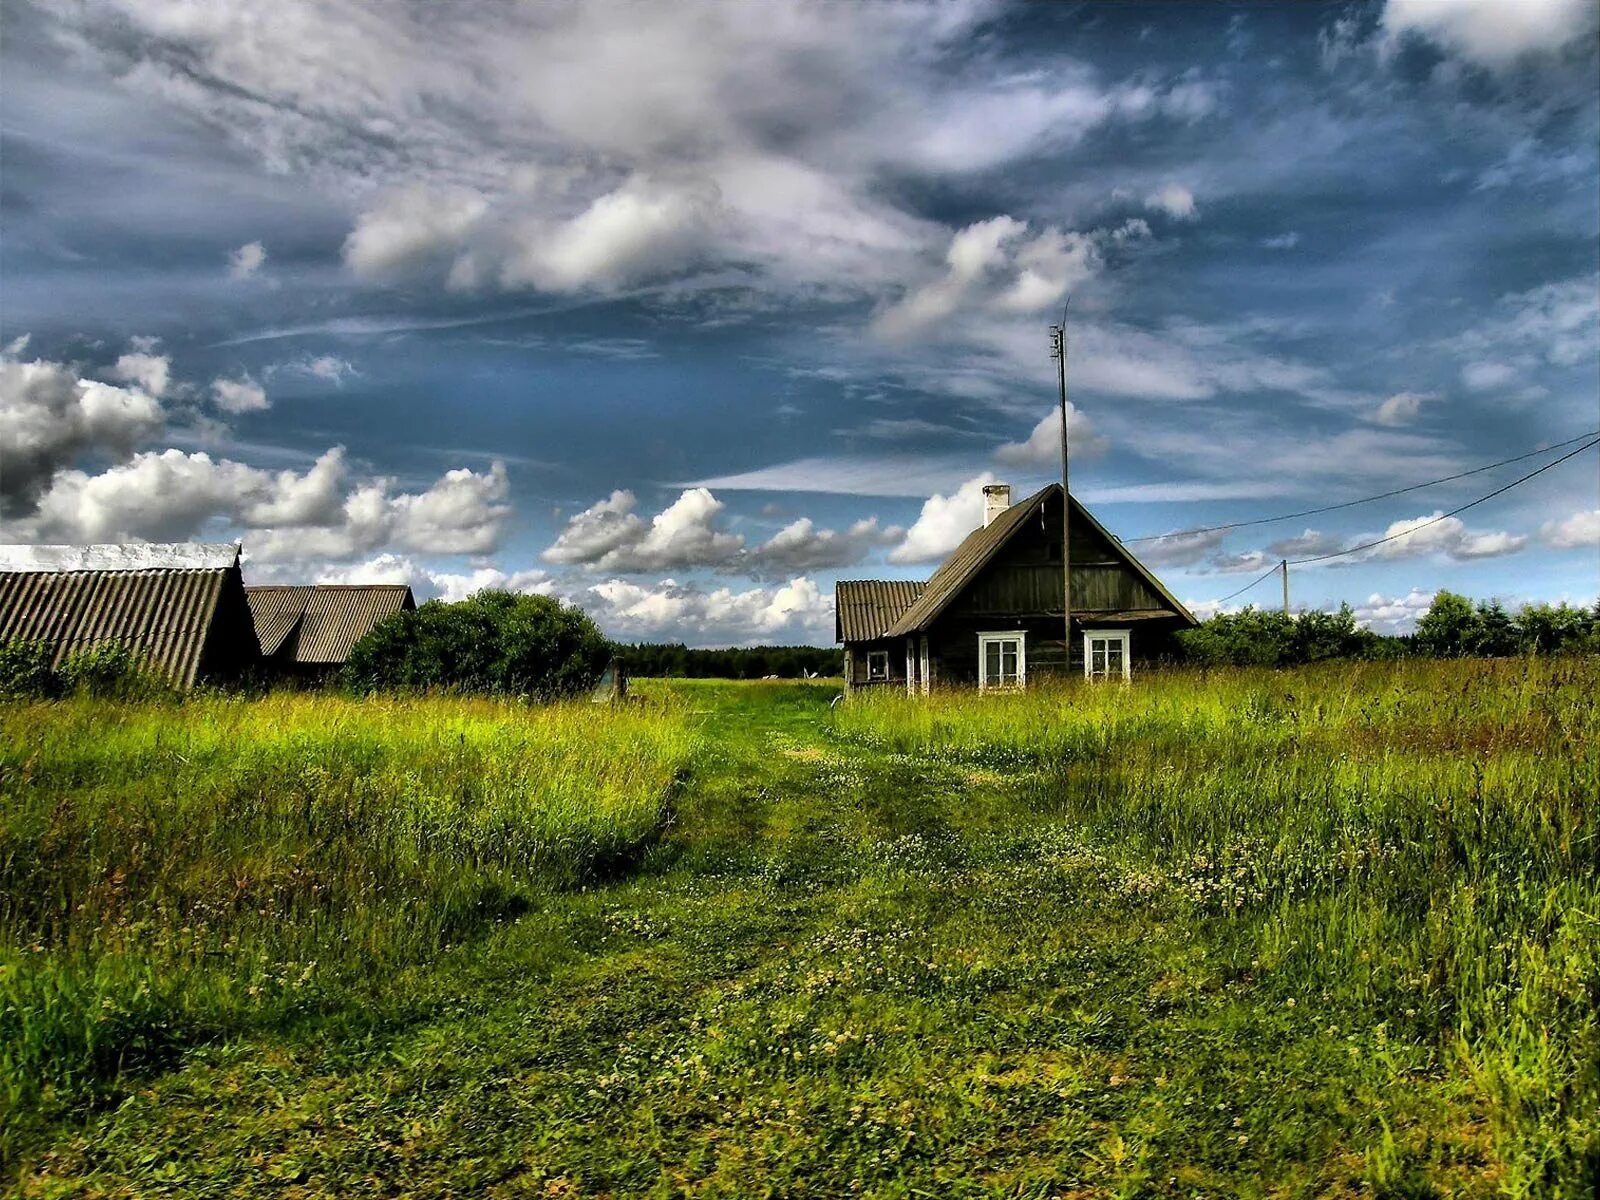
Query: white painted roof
[{"x": 133, "y": 556}]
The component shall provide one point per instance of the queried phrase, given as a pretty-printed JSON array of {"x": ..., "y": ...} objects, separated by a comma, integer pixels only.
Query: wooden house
[{"x": 991, "y": 615}]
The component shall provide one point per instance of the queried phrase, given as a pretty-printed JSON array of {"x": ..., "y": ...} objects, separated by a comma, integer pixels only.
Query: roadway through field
[{"x": 842, "y": 973}]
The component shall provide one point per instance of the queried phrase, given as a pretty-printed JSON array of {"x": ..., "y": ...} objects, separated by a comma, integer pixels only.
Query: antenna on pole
[{"x": 1058, "y": 351}]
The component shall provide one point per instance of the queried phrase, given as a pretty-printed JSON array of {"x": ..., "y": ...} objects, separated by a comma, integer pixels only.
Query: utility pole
[
  {"x": 1283, "y": 565},
  {"x": 1058, "y": 350}
]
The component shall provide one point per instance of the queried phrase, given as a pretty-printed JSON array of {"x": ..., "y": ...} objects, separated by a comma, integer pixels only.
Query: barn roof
[
  {"x": 321, "y": 623},
  {"x": 981, "y": 545},
  {"x": 133, "y": 556},
  {"x": 163, "y": 615},
  {"x": 863, "y": 609}
]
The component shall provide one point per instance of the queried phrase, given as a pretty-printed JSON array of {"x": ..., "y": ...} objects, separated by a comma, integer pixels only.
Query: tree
[
  {"x": 495, "y": 643},
  {"x": 1449, "y": 628}
]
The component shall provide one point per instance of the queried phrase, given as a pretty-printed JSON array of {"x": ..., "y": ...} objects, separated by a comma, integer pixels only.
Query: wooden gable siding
[{"x": 1025, "y": 577}]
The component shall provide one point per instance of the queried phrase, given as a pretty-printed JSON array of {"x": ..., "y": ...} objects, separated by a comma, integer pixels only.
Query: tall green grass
[
  {"x": 171, "y": 872},
  {"x": 1418, "y": 843}
]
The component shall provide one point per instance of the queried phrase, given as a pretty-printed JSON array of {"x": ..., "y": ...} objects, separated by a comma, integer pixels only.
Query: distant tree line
[
  {"x": 1453, "y": 627},
  {"x": 677, "y": 661}
]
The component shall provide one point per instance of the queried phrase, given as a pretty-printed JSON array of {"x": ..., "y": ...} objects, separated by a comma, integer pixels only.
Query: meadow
[
  {"x": 177, "y": 872},
  {"x": 1329, "y": 931}
]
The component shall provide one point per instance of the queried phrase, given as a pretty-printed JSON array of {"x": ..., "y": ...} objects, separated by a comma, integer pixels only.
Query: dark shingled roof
[
  {"x": 981, "y": 545},
  {"x": 320, "y": 623},
  {"x": 165, "y": 616},
  {"x": 865, "y": 608}
]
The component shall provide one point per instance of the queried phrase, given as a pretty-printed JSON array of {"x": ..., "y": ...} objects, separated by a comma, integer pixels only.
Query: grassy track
[{"x": 1324, "y": 933}]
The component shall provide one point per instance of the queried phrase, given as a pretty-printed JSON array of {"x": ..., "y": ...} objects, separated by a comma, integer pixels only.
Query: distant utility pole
[
  {"x": 1058, "y": 351},
  {"x": 1283, "y": 565}
]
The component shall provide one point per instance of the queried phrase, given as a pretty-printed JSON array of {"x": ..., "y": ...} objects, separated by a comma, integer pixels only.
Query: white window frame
[
  {"x": 1018, "y": 636},
  {"x": 883, "y": 655},
  {"x": 1090, "y": 636},
  {"x": 924, "y": 674}
]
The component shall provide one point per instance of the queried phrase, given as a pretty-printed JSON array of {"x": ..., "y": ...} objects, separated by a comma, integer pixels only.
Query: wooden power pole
[
  {"x": 1058, "y": 349},
  {"x": 1283, "y": 565}
]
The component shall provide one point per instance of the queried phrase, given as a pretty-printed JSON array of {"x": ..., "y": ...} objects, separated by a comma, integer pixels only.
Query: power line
[
  {"x": 1272, "y": 570},
  {"x": 1311, "y": 512},
  {"x": 1446, "y": 516},
  {"x": 1297, "y": 562}
]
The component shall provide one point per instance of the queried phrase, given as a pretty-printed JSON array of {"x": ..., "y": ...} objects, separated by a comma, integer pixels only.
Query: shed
[
  {"x": 309, "y": 630},
  {"x": 992, "y": 614},
  {"x": 181, "y": 609}
]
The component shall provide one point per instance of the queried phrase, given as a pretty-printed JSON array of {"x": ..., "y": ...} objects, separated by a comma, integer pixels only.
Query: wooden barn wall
[
  {"x": 953, "y": 644},
  {"x": 231, "y": 647},
  {"x": 857, "y": 653},
  {"x": 1025, "y": 577}
]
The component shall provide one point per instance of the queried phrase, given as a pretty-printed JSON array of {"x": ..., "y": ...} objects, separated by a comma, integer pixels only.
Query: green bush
[
  {"x": 495, "y": 643},
  {"x": 25, "y": 671},
  {"x": 110, "y": 671}
]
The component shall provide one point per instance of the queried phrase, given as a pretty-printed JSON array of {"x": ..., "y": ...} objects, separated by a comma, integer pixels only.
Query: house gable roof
[
  {"x": 979, "y": 548},
  {"x": 863, "y": 609},
  {"x": 322, "y": 621}
]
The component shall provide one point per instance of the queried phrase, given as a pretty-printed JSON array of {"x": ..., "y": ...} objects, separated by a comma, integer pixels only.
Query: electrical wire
[
  {"x": 1311, "y": 512},
  {"x": 1272, "y": 570},
  {"x": 1446, "y": 516},
  {"x": 1297, "y": 562}
]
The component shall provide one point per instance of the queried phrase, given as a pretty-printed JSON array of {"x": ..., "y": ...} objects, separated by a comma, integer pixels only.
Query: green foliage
[
  {"x": 1453, "y": 627},
  {"x": 677, "y": 661},
  {"x": 1268, "y": 638},
  {"x": 25, "y": 671},
  {"x": 109, "y": 671},
  {"x": 170, "y": 874},
  {"x": 495, "y": 643}
]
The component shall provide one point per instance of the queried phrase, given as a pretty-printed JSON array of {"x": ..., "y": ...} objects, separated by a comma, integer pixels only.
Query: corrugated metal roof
[
  {"x": 865, "y": 608},
  {"x": 981, "y": 545},
  {"x": 131, "y": 556},
  {"x": 322, "y": 622},
  {"x": 276, "y": 612},
  {"x": 164, "y": 616}
]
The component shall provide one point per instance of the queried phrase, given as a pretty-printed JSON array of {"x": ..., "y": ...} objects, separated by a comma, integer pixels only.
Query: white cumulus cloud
[
  {"x": 240, "y": 395},
  {"x": 943, "y": 523},
  {"x": 1173, "y": 199},
  {"x": 1402, "y": 407},
  {"x": 246, "y": 260},
  {"x": 1582, "y": 528},
  {"x": 50, "y": 416},
  {"x": 1493, "y": 33}
]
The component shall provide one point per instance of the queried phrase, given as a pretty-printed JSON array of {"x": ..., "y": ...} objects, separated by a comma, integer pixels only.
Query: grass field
[{"x": 1328, "y": 932}]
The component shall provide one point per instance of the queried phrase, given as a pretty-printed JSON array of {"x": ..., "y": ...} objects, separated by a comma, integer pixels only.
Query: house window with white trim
[
  {"x": 877, "y": 665},
  {"x": 1002, "y": 660},
  {"x": 1105, "y": 654}
]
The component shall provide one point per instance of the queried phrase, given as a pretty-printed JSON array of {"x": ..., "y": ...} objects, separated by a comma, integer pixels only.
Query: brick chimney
[{"x": 996, "y": 499}]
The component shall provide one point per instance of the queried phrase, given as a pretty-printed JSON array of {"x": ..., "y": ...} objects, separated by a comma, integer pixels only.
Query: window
[
  {"x": 877, "y": 665},
  {"x": 1002, "y": 660},
  {"x": 1105, "y": 654}
]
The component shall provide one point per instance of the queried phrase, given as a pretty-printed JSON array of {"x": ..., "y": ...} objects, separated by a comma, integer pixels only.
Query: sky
[{"x": 684, "y": 312}]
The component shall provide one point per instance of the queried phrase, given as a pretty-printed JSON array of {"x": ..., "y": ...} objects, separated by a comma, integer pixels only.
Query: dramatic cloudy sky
[{"x": 686, "y": 311}]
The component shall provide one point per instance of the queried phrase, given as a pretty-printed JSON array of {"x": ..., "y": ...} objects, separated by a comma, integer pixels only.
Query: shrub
[
  {"x": 25, "y": 671},
  {"x": 111, "y": 671},
  {"x": 494, "y": 643}
]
